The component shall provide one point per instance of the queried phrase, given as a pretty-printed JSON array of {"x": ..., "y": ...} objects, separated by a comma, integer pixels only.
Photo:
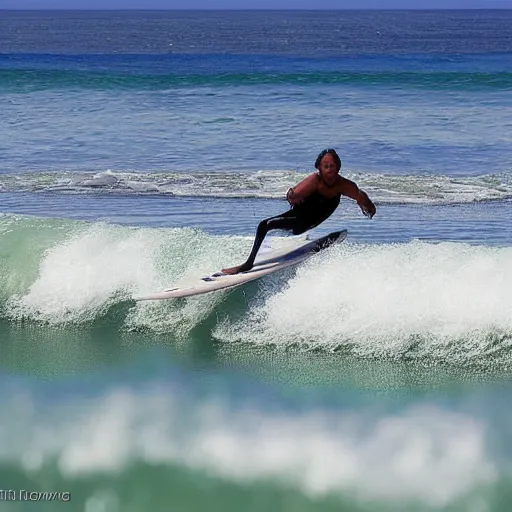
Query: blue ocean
[{"x": 139, "y": 148}]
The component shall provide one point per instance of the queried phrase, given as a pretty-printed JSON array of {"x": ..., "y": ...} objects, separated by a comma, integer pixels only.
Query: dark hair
[{"x": 331, "y": 152}]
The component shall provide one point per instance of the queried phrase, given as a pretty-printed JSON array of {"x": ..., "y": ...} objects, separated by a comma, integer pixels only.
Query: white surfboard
[{"x": 273, "y": 262}]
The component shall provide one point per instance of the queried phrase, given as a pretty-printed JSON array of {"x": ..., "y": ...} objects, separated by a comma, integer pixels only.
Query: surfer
[{"x": 312, "y": 201}]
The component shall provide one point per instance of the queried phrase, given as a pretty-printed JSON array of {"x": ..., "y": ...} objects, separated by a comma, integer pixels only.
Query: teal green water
[
  {"x": 38, "y": 80},
  {"x": 97, "y": 413}
]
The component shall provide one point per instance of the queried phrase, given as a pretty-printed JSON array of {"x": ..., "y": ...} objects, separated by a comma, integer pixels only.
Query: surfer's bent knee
[{"x": 263, "y": 226}]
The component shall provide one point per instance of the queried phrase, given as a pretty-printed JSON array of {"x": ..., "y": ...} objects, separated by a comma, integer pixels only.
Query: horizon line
[{"x": 158, "y": 9}]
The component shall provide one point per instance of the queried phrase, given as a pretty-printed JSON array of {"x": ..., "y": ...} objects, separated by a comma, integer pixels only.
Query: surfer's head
[
  {"x": 329, "y": 164},
  {"x": 331, "y": 152}
]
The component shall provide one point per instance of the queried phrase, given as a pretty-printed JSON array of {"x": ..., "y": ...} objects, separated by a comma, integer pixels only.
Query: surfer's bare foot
[
  {"x": 231, "y": 270},
  {"x": 236, "y": 270}
]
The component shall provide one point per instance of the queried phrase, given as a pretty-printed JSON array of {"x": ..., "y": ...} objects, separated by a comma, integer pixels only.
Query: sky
[{"x": 255, "y": 4}]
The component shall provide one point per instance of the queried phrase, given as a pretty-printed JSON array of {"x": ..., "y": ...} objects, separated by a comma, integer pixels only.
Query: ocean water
[{"x": 140, "y": 148}]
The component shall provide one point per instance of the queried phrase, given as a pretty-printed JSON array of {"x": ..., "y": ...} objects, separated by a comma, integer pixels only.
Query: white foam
[
  {"x": 189, "y": 254},
  {"x": 383, "y": 188},
  {"x": 99, "y": 265},
  {"x": 105, "y": 179},
  {"x": 379, "y": 298},
  {"x": 82, "y": 275},
  {"x": 422, "y": 453}
]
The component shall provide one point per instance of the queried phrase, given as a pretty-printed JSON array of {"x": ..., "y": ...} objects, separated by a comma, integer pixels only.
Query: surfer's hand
[
  {"x": 365, "y": 203},
  {"x": 289, "y": 196},
  {"x": 368, "y": 208},
  {"x": 292, "y": 197}
]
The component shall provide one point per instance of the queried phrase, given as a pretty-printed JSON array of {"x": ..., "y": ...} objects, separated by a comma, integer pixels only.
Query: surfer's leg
[{"x": 287, "y": 221}]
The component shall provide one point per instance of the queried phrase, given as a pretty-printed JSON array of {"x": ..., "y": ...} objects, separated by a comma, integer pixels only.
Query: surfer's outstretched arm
[{"x": 350, "y": 189}]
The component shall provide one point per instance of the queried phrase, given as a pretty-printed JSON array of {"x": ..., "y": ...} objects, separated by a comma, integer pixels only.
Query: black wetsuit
[{"x": 301, "y": 217}]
